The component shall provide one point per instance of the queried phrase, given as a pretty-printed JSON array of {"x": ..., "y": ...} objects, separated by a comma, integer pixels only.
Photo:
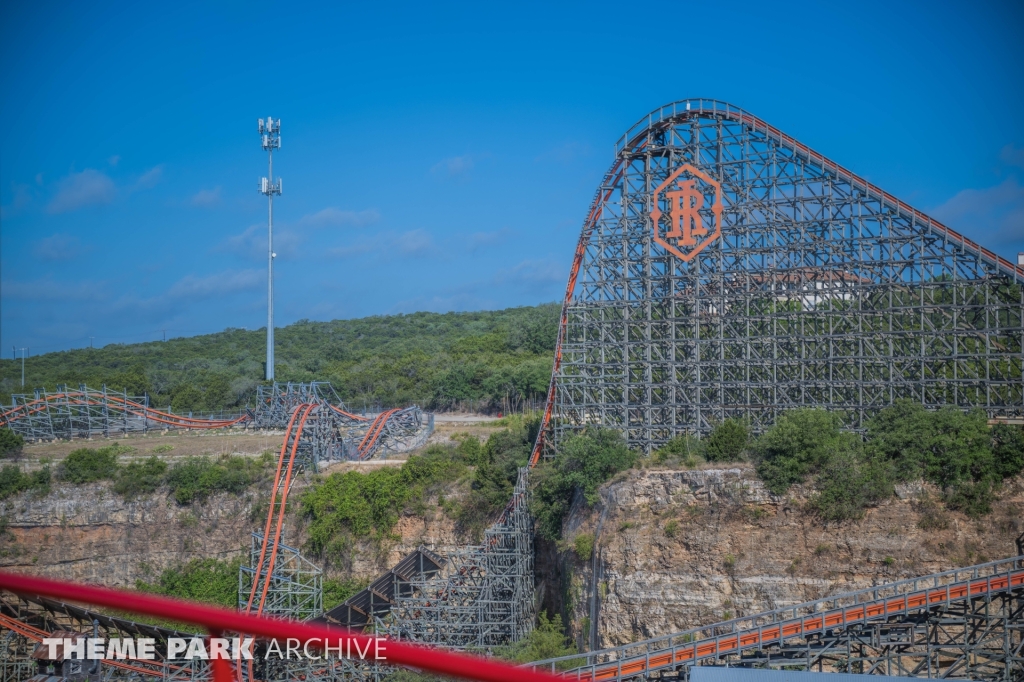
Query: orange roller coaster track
[{"x": 992, "y": 591}]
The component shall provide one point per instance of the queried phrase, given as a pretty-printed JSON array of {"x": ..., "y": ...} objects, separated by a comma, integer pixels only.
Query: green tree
[
  {"x": 547, "y": 640},
  {"x": 1008, "y": 450},
  {"x": 132, "y": 381},
  {"x": 213, "y": 581},
  {"x": 848, "y": 482},
  {"x": 727, "y": 442},
  {"x": 945, "y": 446},
  {"x": 10, "y": 443},
  {"x": 186, "y": 397},
  {"x": 798, "y": 444},
  {"x": 584, "y": 461},
  {"x": 85, "y": 465},
  {"x": 138, "y": 478}
]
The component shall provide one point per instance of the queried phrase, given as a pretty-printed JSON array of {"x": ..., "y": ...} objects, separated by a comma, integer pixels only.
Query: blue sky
[{"x": 436, "y": 157}]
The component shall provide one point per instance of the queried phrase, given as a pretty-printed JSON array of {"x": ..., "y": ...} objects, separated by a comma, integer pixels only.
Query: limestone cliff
[
  {"x": 677, "y": 549},
  {"x": 89, "y": 533}
]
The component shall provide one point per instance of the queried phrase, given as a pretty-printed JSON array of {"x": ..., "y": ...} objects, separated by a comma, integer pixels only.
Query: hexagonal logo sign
[{"x": 687, "y": 212}]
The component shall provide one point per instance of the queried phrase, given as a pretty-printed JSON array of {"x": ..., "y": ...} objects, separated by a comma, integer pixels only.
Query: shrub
[
  {"x": 933, "y": 517},
  {"x": 973, "y": 498},
  {"x": 848, "y": 482},
  {"x": 214, "y": 581},
  {"x": 1008, "y": 450},
  {"x": 353, "y": 504},
  {"x": 497, "y": 468},
  {"x": 86, "y": 465},
  {"x": 583, "y": 545},
  {"x": 137, "y": 478},
  {"x": 683, "y": 450},
  {"x": 197, "y": 478},
  {"x": 584, "y": 461},
  {"x": 727, "y": 442},
  {"x": 672, "y": 528},
  {"x": 336, "y": 591},
  {"x": 547, "y": 640},
  {"x": 798, "y": 444},
  {"x": 10, "y": 443},
  {"x": 13, "y": 481},
  {"x": 945, "y": 446}
]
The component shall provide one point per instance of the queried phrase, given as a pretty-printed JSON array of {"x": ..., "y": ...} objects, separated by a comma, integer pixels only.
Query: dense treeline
[
  {"x": 954, "y": 450},
  {"x": 436, "y": 360}
]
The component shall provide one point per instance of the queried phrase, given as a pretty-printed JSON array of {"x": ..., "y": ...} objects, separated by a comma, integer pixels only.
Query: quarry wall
[
  {"x": 674, "y": 548},
  {"x": 678, "y": 549}
]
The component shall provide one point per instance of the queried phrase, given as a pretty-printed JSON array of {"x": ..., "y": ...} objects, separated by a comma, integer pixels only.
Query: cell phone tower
[{"x": 270, "y": 138}]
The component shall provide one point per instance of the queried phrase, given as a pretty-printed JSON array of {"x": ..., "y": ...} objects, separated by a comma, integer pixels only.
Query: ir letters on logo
[{"x": 686, "y": 213}]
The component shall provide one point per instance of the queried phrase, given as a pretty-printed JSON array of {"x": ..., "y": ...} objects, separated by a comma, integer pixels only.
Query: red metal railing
[{"x": 218, "y": 621}]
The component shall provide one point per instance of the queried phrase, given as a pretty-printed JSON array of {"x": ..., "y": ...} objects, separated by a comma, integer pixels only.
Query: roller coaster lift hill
[{"x": 724, "y": 270}]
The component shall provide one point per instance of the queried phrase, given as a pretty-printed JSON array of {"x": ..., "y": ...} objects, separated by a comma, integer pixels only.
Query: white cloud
[
  {"x": 532, "y": 274},
  {"x": 411, "y": 244},
  {"x": 59, "y": 247},
  {"x": 82, "y": 189},
  {"x": 114, "y": 159},
  {"x": 221, "y": 283},
  {"x": 150, "y": 178},
  {"x": 991, "y": 215},
  {"x": 334, "y": 217},
  {"x": 479, "y": 241},
  {"x": 252, "y": 243},
  {"x": 415, "y": 243},
  {"x": 206, "y": 197},
  {"x": 453, "y": 166},
  {"x": 48, "y": 289}
]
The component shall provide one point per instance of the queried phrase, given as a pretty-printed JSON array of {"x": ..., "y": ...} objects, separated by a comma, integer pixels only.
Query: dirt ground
[
  {"x": 168, "y": 445},
  {"x": 242, "y": 442}
]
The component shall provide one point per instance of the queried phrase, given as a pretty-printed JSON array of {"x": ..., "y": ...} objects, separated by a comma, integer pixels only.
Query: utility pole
[
  {"x": 90, "y": 341},
  {"x": 24, "y": 351},
  {"x": 270, "y": 138}
]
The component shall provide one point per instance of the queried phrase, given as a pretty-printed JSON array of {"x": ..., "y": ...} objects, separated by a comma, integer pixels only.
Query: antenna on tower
[{"x": 270, "y": 139}]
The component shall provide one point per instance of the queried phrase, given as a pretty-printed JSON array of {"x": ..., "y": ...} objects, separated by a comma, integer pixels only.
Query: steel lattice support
[
  {"x": 275, "y": 403},
  {"x": 484, "y": 598},
  {"x": 812, "y": 288},
  {"x": 296, "y": 585},
  {"x": 966, "y": 624},
  {"x": 66, "y": 413}
]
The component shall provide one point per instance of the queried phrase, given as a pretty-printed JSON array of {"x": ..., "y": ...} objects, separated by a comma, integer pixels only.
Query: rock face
[
  {"x": 675, "y": 549},
  {"x": 678, "y": 549},
  {"x": 88, "y": 533}
]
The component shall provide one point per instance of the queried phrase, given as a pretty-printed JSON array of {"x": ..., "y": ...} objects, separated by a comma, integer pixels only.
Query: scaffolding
[
  {"x": 67, "y": 413},
  {"x": 483, "y": 598},
  {"x": 275, "y": 403},
  {"x": 966, "y": 623},
  {"x": 331, "y": 432},
  {"x": 726, "y": 270},
  {"x": 296, "y": 584}
]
